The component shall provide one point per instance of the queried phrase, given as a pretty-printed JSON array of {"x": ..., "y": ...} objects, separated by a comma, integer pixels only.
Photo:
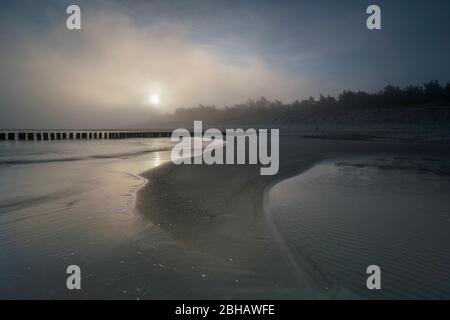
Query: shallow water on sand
[
  {"x": 342, "y": 216},
  {"x": 67, "y": 203},
  {"x": 73, "y": 203}
]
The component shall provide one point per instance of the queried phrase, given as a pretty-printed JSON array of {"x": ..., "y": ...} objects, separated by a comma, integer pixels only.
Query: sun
[{"x": 154, "y": 99}]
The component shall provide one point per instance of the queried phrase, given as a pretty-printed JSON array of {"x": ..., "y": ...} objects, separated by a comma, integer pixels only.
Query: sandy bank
[{"x": 219, "y": 210}]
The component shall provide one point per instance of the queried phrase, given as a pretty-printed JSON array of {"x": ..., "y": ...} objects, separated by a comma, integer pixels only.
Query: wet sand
[
  {"x": 348, "y": 214},
  {"x": 221, "y": 213},
  {"x": 73, "y": 202},
  {"x": 191, "y": 232}
]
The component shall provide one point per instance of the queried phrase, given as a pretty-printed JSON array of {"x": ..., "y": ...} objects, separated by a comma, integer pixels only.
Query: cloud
[{"x": 103, "y": 74}]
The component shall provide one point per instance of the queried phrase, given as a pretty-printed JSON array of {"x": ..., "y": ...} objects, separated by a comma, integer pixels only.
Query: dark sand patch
[{"x": 219, "y": 210}]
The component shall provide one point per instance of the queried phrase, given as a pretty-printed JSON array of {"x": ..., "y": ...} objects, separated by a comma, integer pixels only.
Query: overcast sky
[{"x": 211, "y": 52}]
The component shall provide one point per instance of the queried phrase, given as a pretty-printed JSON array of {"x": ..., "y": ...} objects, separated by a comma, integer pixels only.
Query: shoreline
[{"x": 222, "y": 211}]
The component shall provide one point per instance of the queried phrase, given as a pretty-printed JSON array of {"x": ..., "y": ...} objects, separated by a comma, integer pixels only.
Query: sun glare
[{"x": 154, "y": 99}]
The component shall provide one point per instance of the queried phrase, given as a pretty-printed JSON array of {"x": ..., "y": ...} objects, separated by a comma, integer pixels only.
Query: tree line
[{"x": 262, "y": 110}]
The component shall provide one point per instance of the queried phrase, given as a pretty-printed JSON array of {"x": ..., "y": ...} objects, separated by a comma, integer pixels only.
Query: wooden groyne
[{"x": 53, "y": 135}]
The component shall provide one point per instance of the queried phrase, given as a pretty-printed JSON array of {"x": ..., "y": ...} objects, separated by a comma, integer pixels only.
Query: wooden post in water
[{"x": 84, "y": 135}]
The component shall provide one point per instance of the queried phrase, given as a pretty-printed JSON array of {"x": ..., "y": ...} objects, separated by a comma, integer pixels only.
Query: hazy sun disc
[{"x": 154, "y": 99}]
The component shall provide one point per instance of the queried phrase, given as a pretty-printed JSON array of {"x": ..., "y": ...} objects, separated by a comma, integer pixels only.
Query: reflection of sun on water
[{"x": 158, "y": 159}]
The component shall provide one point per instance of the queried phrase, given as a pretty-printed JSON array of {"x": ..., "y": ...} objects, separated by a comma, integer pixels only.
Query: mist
[
  {"x": 216, "y": 53},
  {"x": 102, "y": 75}
]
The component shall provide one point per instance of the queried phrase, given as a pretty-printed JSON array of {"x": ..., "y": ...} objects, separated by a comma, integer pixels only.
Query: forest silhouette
[{"x": 262, "y": 110}]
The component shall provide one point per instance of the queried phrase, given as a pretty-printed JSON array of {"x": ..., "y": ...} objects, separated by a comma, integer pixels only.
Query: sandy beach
[
  {"x": 222, "y": 211},
  {"x": 141, "y": 227},
  {"x": 128, "y": 246}
]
